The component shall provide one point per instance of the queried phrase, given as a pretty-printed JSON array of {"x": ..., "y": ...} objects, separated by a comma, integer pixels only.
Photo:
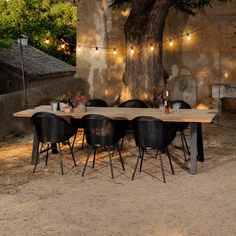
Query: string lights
[
  {"x": 170, "y": 41},
  {"x": 152, "y": 48},
  {"x": 47, "y": 41},
  {"x": 132, "y": 50},
  {"x": 188, "y": 36}
]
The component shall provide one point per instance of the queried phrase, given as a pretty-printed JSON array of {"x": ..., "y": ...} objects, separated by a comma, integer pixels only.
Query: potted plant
[
  {"x": 62, "y": 102},
  {"x": 78, "y": 102}
]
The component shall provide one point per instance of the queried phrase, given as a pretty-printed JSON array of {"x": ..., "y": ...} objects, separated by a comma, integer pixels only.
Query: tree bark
[{"x": 145, "y": 76}]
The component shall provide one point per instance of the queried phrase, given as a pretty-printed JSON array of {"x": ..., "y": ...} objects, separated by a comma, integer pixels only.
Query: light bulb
[
  {"x": 152, "y": 47},
  {"x": 96, "y": 50},
  {"x": 114, "y": 51},
  {"x": 63, "y": 46},
  {"x": 131, "y": 50},
  {"x": 78, "y": 48},
  {"x": 171, "y": 42},
  {"x": 188, "y": 36},
  {"x": 47, "y": 41}
]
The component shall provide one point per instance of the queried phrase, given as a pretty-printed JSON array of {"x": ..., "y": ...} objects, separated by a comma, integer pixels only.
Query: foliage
[
  {"x": 191, "y": 7},
  {"x": 62, "y": 98},
  {"x": 40, "y": 20},
  {"x": 5, "y": 43}
]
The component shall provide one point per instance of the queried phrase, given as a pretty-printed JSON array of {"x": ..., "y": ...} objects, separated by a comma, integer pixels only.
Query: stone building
[
  {"x": 39, "y": 68},
  {"x": 194, "y": 65}
]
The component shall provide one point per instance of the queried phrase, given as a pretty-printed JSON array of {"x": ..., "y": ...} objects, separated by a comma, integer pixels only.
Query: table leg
[
  {"x": 193, "y": 157},
  {"x": 200, "y": 155},
  {"x": 35, "y": 148}
]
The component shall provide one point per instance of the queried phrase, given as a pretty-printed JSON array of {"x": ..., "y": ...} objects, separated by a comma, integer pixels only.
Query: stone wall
[
  {"x": 208, "y": 58},
  {"x": 13, "y": 102},
  {"x": 11, "y": 81},
  {"x": 193, "y": 66},
  {"x": 101, "y": 26}
]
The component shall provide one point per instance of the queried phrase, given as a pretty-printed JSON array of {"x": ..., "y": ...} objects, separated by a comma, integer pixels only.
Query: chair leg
[
  {"x": 87, "y": 161},
  {"x": 73, "y": 143},
  {"x": 169, "y": 157},
  {"x": 46, "y": 163},
  {"x": 122, "y": 143},
  {"x": 136, "y": 165},
  {"x": 94, "y": 155},
  {"x": 182, "y": 140},
  {"x": 162, "y": 168},
  {"x": 141, "y": 163},
  {"x": 122, "y": 163},
  {"x": 186, "y": 144},
  {"x": 82, "y": 145},
  {"x": 72, "y": 153},
  {"x": 110, "y": 160},
  {"x": 37, "y": 159},
  {"x": 61, "y": 162}
]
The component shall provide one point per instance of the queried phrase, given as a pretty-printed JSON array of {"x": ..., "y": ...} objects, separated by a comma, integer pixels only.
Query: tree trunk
[{"x": 145, "y": 76}]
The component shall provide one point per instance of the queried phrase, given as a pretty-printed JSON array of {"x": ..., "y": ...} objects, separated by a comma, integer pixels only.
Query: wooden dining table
[{"x": 193, "y": 116}]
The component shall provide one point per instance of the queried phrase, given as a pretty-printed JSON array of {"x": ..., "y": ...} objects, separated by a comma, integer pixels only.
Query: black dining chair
[
  {"x": 52, "y": 129},
  {"x": 152, "y": 133},
  {"x": 101, "y": 131},
  {"x": 181, "y": 126},
  {"x": 96, "y": 103},
  {"x": 133, "y": 103},
  {"x": 77, "y": 122}
]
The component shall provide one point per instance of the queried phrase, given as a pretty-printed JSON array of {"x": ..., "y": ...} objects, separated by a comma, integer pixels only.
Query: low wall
[{"x": 13, "y": 102}]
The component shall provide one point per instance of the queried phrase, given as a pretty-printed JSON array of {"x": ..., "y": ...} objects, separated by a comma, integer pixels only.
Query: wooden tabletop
[{"x": 183, "y": 115}]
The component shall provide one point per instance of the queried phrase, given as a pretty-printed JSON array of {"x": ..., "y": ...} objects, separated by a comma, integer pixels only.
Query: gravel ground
[{"x": 47, "y": 203}]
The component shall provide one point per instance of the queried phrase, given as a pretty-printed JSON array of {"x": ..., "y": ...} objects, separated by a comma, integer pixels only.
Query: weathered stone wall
[
  {"x": 11, "y": 81},
  {"x": 193, "y": 66},
  {"x": 101, "y": 26},
  {"x": 13, "y": 102},
  {"x": 208, "y": 58}
]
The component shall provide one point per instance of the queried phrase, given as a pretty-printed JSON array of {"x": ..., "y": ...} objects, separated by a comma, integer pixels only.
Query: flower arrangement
[{"x": 78, "y": 100}]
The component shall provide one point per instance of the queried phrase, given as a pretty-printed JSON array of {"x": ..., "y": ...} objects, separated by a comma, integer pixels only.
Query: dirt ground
[{"x": 47, "y": 203}]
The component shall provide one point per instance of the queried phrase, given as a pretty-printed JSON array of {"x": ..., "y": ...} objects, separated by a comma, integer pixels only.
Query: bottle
[{"x": 167, "y": 103}]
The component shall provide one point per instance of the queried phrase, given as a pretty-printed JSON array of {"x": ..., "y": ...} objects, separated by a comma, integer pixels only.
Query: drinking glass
[{"x": 176, "y": 107}]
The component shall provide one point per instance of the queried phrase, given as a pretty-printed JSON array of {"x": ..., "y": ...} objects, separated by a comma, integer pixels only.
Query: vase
[
  {"x": 62, "y": 106},
  {"x": 79, "y": 108}
]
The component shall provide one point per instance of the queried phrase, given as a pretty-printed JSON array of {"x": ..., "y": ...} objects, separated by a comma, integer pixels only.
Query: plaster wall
[
  {"x": 208, "y": 58},
  {"x": 13, "y": 102},
  {"x": 100, "y": 26},
  {"x": 10, "y": 81}
]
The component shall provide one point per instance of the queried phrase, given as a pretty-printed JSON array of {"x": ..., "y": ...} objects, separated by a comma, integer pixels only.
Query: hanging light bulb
[
  {"x": 171, "y": 42},
  {"x": 96, "y": 50},
  {"x": 47, "y": 41},
  {"x": 131, "y": 50},
  {"x": 152, "y": 48},
  {"x": 63, "y": 45},
  {"x": 188, "y": 36},
  {"x": 79, "y": 48},
  {"x": 114, "y": 51}
]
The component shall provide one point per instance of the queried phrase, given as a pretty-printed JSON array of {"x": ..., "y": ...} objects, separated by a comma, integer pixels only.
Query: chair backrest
[
  {"x": 135, "y": 103},
  {"x": 52, "y": 128},
  {"x": 96, "y": 103},
  {"x": 101, "y": 130},
  {"x": 150, "y": 132},
  {"x": 182, "y": 104}
]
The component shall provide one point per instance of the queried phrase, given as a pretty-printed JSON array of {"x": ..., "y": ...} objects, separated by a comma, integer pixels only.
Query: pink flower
[{"x": 78, "y": 100}]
